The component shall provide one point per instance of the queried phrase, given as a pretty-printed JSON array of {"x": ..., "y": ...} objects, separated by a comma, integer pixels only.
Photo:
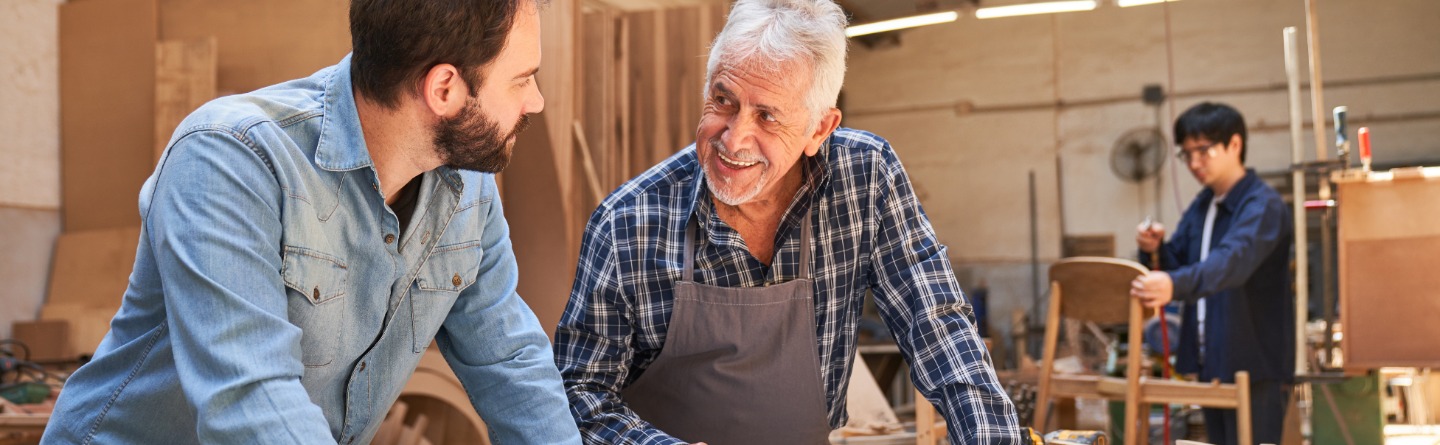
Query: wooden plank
[
  {"x": 185, "y": 73},
  {"x": 1387, "y": 240},
  {"x": 88, "y": 324},
  {"x": 531, "y": 193},
  {"x": 660, "y": 97},
  {"x": 92, "y": 268},
  {"x": 107, "y": 101},
  {"x": 1047, "y": 361},
  {"x": 47, "y": 340},
  {"x": 623, "y": 98},
  {"x": 262, "y": 42}
]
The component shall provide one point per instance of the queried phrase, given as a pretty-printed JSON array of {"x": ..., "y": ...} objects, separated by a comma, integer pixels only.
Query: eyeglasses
[{"x": 1202, "y": 154}]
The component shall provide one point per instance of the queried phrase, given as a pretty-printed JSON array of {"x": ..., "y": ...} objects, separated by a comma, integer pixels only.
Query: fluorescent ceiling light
[
  {"x": 1129, "y": 3},
  {"x": 901, "y": 23},
  {"x": 1034, "y": 8}
]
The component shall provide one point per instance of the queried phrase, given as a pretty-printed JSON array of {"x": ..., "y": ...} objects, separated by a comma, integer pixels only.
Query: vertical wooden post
[{"x": 1047, "y": 359}]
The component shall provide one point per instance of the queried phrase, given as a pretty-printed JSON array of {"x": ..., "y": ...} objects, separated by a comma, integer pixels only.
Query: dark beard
[{"x": 471, "y": 141}]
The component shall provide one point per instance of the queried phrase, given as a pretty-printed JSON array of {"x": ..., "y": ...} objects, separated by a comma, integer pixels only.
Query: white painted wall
[
  {"x": 30, "y": 149},
  {"x": 29, "y": 104},
  {"x": 972, "y": 107}
]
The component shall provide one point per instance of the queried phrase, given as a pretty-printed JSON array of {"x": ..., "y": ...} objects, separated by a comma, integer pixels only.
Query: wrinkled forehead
[{"x": 791, "y": 76}]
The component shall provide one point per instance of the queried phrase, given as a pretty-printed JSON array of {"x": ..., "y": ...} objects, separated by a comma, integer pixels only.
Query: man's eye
[
  {"x": 722, "y": 100},
  {"x": 767, "y": 117}
]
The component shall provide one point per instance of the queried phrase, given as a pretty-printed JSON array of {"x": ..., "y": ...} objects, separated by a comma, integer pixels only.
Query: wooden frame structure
[{"x": 1093, "y": 289}]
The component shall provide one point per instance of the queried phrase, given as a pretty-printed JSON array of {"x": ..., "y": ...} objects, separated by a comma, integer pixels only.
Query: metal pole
[{"x": 1297, "y": 198}]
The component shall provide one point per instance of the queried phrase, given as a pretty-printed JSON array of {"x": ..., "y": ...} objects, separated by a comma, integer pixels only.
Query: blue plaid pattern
[{"x": 871, "y": 235}]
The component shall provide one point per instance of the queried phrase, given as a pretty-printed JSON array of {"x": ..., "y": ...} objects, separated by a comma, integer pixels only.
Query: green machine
[{"x": 1350, "y": 408}]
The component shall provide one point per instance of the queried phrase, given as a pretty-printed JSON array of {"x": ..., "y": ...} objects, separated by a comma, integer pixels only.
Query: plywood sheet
[
  {"x": 47, "y": 340},
  {"x": 184, "y": 80},
  {"x": 546, "y": 259},
  {"x": 107, "y": 102},
  {"x": 88, "y": 324},
  {"x": 1389, "y": 292},
  {"x": 262, "y": 42},
  {"x": 1390, "y": 302},
  {"x": 92, "y": 268}
]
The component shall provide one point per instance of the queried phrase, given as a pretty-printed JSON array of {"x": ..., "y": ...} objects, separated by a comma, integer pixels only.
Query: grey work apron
[{"x": 739, "y": 365}]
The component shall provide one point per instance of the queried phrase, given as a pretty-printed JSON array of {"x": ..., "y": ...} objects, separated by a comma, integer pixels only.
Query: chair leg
[
  {"x": 1242, "y": 410},
  {"x": 924, "y": 421},
  {"x": 1047, "y": 358},
  {"x": 1133, "y": 435}
]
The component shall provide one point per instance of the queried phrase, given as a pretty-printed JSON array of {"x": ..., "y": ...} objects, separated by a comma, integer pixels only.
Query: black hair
[
  {"x": 1216, "y": 122},
  {"x": 396, "y": 42}
]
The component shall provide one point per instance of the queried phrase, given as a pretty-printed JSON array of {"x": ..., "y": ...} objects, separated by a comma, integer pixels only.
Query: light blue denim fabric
[{"x": 270, "y": 305}]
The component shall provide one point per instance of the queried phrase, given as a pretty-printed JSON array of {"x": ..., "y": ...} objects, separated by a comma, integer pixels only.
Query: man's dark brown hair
[{"x": 395, "y": 42}]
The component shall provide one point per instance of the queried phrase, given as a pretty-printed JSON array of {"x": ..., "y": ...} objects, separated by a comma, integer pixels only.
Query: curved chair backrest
[{"x": 1096, "y": 289}]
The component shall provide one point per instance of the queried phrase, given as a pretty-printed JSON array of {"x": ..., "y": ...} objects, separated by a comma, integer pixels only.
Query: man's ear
[
  {"x": 829, "y": 121},
  {"x": 443, "y": 90},
  {"x": 1235, "y": 142}
]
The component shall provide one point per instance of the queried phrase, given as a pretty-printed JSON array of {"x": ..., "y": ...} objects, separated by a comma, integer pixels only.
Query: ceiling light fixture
[
  {"x": 1034, "y": 8},
  {"x": 1129, "y": 3},
  {"x": 901, "y": 23}
]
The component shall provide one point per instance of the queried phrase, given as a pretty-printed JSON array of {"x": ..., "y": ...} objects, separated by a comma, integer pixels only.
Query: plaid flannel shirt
[{"x": 871, "y": 235}]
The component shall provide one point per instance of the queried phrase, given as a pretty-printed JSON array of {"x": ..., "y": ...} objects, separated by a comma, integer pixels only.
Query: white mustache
[{"x": 720, "y": 146}]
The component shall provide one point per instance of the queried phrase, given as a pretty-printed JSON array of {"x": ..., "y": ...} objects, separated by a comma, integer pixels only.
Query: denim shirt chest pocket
[
  {"x": 450, "y": 269},
  {"x": 316, "y": 285}
]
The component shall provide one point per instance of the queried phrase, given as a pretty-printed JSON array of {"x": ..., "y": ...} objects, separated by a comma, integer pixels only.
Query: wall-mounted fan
[{"x": 1138, "y": 154}]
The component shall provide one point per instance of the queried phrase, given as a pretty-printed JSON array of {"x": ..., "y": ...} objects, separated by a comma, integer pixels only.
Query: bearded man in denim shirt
[{"x": 304, "y": 243}]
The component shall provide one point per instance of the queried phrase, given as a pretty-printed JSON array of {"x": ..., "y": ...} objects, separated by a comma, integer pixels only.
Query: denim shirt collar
[{"x": 342, "y": 140}]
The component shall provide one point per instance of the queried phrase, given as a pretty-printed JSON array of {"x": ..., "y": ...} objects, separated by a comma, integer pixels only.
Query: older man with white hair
[{"x": 717, "y": 294}]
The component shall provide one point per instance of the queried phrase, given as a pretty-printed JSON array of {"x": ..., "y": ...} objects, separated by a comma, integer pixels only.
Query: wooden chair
[
  {"x": 1098, "y": 290},
  {"x": 929, "y": 428}
]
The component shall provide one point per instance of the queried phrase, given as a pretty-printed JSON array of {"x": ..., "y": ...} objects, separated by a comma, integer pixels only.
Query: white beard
[{"x": 726, "y": 193}]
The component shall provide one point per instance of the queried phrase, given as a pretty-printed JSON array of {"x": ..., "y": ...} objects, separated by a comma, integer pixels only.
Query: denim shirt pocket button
[
  {"x": 316, "y": 283},
  {"x": 450, "y": 270}
]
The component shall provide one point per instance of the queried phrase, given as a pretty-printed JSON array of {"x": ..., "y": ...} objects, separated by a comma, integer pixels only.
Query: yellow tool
[{"x": 1068, "y": 437}]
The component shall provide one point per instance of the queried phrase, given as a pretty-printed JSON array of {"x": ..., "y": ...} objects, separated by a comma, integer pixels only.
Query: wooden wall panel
[
  {"x": 262, "y": 42},
  {"x": 107, "y": 102},
  {"x": 185, "y": 72}
]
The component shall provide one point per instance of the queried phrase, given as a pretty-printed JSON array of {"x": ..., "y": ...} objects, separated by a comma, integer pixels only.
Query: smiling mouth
[{"x": 734, "y": 164}]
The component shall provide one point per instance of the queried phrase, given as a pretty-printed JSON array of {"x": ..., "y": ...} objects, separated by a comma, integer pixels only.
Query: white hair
[{"x": 777, "y": 32}]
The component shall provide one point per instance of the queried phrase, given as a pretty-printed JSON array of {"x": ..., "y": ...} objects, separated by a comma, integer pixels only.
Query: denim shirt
[{"x": 275, "y": 299}]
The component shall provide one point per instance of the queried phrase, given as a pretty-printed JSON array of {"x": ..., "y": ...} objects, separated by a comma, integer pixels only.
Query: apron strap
[
  {"x": 692, "y": 227},
  {"x": 805, "y": 244},
  {"x": 692, "y": 230}
]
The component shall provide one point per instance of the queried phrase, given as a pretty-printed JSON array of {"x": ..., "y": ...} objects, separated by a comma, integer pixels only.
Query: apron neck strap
[{"x": 692, "y": 232}]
